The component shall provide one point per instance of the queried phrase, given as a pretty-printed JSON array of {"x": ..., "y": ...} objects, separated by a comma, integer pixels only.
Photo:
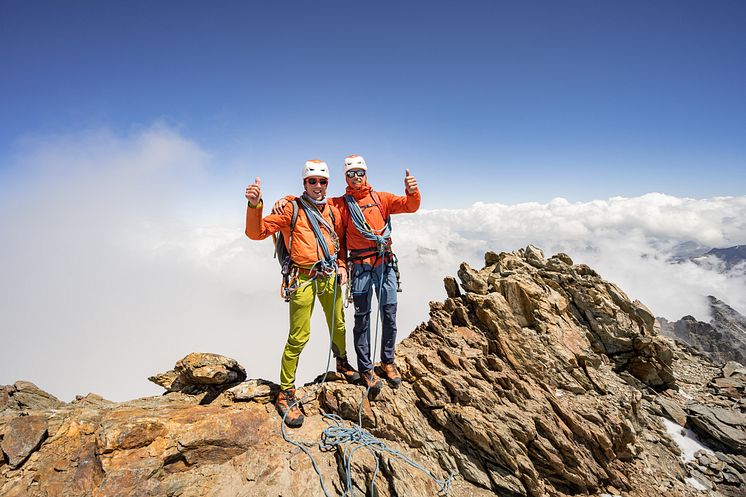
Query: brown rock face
[
  {"x": 23, "y": 435},
  {"x": 536, "y": 378}
]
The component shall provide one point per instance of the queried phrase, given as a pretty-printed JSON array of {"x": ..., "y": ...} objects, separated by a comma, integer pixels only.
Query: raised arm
[
  {"x": 409, "y": 202},
  {"x": 258, "y": 228}
]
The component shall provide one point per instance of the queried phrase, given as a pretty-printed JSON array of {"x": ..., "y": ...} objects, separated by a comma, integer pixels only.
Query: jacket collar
[{"x": 358, "y": 193}]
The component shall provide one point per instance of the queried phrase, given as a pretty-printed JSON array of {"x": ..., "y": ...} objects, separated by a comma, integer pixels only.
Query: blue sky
[{"x": 484, "y": 101}]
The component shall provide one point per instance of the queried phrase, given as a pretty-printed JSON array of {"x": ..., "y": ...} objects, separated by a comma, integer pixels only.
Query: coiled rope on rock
[{"x": 354, "y": 437}]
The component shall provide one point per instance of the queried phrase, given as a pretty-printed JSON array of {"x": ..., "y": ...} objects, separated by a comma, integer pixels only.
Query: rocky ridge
[{"x": 534, "y": 377}]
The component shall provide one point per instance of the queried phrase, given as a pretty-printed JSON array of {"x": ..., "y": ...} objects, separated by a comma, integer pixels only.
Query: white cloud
[
  {"x": 629, "y": 241},
  {"x": 118, "y": 258}
]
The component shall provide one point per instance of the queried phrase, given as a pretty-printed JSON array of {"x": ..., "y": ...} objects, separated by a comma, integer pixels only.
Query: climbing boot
[
  {"x": 344, "y": 368},
  {"x": 390, "y": 373},
  {"x": 289, "y": 408},
  {"x": 372, "y": 382}
]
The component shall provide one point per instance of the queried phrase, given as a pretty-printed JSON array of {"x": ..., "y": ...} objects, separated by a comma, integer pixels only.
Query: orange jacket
[
  {"x": 390, "y": 204},
  {"x": 305, "y": 251},
  {"x": 375, "y": 215}
]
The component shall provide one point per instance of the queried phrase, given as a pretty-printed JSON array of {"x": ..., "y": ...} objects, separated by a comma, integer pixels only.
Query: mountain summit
[{"x": 535, "y": 377}]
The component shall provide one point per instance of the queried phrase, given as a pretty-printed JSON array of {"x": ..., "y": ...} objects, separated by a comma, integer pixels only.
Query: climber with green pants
[{"x": 315, "y": 268}]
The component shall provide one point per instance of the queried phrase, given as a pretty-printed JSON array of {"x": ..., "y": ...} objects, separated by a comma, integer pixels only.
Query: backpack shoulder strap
[
  {"x": 377, "y": 200},
  {"x": 331, "y": 213},
  {"x": 293, "y": 220}
]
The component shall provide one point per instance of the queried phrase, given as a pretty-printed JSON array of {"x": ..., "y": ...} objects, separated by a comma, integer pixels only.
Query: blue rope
[
  {"x": 356, "y": 437},
  {"x": 358, "y": 219},
  {"x": 328, "y": 263}
]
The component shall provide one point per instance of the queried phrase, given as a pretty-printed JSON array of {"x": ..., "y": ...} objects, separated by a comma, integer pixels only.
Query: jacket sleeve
[
  {"x": 258, "y": 228},
  {"x": 396, "y": 204}
]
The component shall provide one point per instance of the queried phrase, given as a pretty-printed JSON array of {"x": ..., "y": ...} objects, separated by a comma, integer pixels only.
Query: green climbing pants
[{"x": 301, "y": 306}]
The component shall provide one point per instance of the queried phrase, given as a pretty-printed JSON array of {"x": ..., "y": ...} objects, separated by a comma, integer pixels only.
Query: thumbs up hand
[
  {"x": 254, "y": 192},
  {"x": 410, "y": 183}
]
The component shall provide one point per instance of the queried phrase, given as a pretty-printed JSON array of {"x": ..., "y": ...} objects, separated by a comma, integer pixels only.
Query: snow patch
[
  {"x": 686, "y": 439},
  {"x": 684, "y": 394},
  {"x": 695, "y": 483}
]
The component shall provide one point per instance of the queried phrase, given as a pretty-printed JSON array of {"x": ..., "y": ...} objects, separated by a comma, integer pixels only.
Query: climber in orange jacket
[
  {"x": 319, "y": 268},
  {"x": 371, "y": 262}
]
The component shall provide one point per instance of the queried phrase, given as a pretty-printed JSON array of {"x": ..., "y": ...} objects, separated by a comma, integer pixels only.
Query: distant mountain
[
  {"x": 685, "y": 251},
  {"x": 730, "y": 256},
  {"x": 723, "y": 339},
  {"x": 722, "y": 260}
]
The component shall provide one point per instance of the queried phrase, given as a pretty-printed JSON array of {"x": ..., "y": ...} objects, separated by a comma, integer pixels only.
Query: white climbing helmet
[
  {"x": 355, "y": 162},
  {"x": 315, "y": 167}
]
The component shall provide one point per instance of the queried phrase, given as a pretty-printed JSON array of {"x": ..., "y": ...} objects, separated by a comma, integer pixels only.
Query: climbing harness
[
  {"x": 382, "y": 239},
  {"x": 323, "y": 267}
]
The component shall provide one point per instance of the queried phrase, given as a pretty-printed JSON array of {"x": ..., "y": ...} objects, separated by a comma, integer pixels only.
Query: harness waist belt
[
  {"x": 307, "y": 271},
  {"x": 367, "y": 252}
]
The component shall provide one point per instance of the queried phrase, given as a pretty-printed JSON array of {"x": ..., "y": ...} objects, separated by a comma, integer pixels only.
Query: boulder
[
  {"x": 535, "y": 256},
  {"x": 200, "y": 371},
  {"x": 23, "y": 435},
  {"x": 256, "y": 390}
]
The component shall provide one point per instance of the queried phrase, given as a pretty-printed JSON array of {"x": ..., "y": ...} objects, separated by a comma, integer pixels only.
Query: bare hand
[
  {"x": 410, "y": 183},
  {"x": 254, "y": 192},
  {"x": 341, "y": 275},
  {"x": 279, "y": 206}
]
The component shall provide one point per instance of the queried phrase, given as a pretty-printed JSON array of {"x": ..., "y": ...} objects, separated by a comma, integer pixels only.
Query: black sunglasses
[
  {"x": 355, "y": 172},
  {"x": 312, "y": 181}
]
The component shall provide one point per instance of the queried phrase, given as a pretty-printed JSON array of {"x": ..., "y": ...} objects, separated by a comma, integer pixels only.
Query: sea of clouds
[{"x": 121, "y": 254}]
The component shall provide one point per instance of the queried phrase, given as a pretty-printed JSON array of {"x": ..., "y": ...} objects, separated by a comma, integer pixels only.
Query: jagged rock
[
  {"x": 733, "y": 368},
  {"x": 24, "y": 395},
  {"x": 451, "y": 286},
  {"x": 471, "y": 280},
  {"x": 200, "y": 370},
  {"x": 491, "y": 258},
  {"x": 724, "y": 426},
  {"x": 563, "y": 257},
  {"x": 22, "y": 436},
  {"x": 535, "y": 256}
]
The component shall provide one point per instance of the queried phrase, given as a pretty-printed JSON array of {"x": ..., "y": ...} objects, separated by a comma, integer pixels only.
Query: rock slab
[{"x": 23, "y": 435}]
